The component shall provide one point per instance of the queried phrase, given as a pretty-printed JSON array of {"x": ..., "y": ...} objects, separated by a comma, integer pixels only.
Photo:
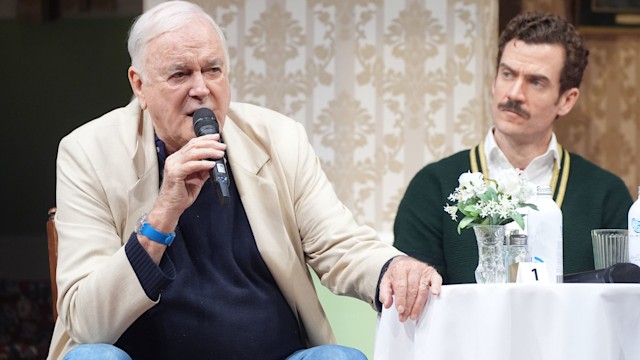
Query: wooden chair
[{"x": 52, "y": 239}]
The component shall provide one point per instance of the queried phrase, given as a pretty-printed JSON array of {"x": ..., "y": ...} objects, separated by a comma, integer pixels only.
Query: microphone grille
[
  {"x": 205, "y": 122},
  {"x": 624, "y": 273}
]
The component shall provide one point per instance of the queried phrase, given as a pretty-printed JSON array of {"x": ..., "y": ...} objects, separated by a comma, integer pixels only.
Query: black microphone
[
  {"x": 205, "y": 123},
  {"x": 616, "y": 273}
]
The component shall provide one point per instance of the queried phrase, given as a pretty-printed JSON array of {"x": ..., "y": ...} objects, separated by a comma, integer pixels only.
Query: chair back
[{"x": 52, "y": 239}]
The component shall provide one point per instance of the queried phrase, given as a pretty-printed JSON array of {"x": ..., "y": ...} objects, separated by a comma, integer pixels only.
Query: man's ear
[
  {"x": 136, "y": 85},
  {"x": 567, "y": 100}
]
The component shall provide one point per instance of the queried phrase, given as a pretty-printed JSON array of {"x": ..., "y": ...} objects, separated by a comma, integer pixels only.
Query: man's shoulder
[
  {"x": 256, "y": 114},
  {"x": 110, "y": 121},
  {"x": 590, "y": 170},
  {"x": 267, "y": 129},
  {"x": 453, "y": 164},
  {"x": 460, "y": 156},
  {"x": 443, "y": 173},
  {"x": 260, "y": 121},
  {"x": 588, "y": 175}
]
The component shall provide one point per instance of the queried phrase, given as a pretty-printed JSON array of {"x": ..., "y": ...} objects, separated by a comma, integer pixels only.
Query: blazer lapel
[
  {"x": 142, "y": 195},
  {"x": 259, "y": 197},
  {"x": 273, "y": 224}
]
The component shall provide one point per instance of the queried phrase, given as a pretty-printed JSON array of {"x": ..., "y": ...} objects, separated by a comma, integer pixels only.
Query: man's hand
[
  {"x": 410, "y": 281},
  {"x": 185, "y": 173}
]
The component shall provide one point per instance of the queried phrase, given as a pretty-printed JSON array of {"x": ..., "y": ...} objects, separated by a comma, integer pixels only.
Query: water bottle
[
  {"x": 518, "y": 252},
  {"x": 634, "y": 231},
  {"x": 544, "y": 228}
]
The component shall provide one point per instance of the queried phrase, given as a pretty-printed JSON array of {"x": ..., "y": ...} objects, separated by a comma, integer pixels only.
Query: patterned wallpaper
[
  {"x": 383, "y": 87},
  {"x": 604, "y": 127}
]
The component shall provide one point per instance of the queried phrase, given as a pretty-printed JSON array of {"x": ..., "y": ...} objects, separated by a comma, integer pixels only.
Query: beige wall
[
  {"x": 604, "y": 127},
  {"x": 382, "y": 87}
]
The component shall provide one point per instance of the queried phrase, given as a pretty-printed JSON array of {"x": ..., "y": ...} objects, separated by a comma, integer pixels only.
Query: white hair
[{"x": 162, "y": 18}]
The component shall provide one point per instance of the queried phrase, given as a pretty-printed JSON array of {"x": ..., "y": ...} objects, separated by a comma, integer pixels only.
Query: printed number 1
[{"x": 535, "y": 273}]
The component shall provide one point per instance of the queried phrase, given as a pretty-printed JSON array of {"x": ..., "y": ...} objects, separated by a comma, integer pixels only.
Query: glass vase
[{"x": 490, "y": 240}]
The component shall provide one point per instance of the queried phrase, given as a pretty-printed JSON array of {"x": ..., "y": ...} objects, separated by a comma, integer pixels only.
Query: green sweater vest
[{"x": 593, "y": 198}]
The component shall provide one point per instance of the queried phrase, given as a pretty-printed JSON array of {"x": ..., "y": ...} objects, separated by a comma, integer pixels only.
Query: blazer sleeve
[
  {"x": 94, "y": 276},
  {"x": 347, "y": 257}
]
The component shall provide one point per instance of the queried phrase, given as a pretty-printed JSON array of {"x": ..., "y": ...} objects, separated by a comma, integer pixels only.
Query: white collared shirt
[{"x": 539, "y": 171}]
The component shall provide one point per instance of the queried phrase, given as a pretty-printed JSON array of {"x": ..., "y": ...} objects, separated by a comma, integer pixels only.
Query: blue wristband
[{"x": 144, "y": 228}]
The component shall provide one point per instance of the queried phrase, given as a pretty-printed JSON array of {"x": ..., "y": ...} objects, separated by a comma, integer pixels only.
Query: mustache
[{"x": 515, "y": 107}]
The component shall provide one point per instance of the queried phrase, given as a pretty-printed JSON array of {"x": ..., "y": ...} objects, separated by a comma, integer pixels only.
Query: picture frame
[{"x": 607, "y": 15}]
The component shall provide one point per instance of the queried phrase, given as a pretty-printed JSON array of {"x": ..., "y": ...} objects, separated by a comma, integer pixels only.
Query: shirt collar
[
  {"x": 495, "y": 156},
  {"x": 162, "y": 154}
]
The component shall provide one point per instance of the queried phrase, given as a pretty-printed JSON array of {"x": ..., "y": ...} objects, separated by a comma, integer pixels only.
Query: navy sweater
[{"x": 218, "y": 299}]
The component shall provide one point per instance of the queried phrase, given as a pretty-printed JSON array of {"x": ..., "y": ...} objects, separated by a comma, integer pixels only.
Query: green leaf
[
  {"x": 464, "y": 223},
  {"x": 471, "y": 210},
  {"x": 518, "y": 219},
  {"x": 488, "y": 195},
  {"x": 505, "y": 221}
]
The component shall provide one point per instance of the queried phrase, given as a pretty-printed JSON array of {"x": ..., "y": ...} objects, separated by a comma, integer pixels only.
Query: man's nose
[
  {"x": 516, "y": 91},
  {"x": 199, "y": 87}
]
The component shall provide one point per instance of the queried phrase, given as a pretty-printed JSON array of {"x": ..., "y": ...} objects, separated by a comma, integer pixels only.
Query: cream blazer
[{"x": 107, "y": 176}]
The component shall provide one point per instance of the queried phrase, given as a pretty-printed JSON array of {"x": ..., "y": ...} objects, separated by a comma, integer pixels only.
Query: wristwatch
[{"x": 144, "y": 228}]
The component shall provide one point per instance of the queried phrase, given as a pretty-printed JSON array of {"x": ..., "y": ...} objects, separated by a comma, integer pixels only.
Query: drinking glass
[{"x": 610, "y": 246}]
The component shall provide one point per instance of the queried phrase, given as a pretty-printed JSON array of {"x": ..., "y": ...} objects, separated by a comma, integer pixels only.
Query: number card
[{"x": 532, "y": 272}]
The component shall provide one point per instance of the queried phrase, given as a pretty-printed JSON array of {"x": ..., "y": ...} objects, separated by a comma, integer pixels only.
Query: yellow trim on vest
[
  {"x": 564, "y": 160},
  {"x": 483, "y": 160},
  {"x": 565, "y": 177},
  {"x": 472, "y": 159},
  {"x": 556, "y": 170}
]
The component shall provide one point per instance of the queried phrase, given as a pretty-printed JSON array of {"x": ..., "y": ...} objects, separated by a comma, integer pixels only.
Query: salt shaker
[{"x": 518, "y": 252}]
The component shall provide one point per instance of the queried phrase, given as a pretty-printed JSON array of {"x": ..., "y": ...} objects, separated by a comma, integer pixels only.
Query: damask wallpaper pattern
[
  {"x": 383, "y": 87},
  {"x": 604, "y": 126}
]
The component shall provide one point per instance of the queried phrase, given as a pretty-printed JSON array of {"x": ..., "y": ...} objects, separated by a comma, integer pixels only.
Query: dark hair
[{"x": 539, "y": 28}]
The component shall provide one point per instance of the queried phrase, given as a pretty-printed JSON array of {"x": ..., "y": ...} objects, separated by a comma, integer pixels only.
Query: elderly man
[
  {"x": 152, "y": 266},
  {"x": 541, "y": 59}
]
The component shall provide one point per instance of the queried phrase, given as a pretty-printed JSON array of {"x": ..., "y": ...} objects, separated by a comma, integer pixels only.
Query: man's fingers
[
  {"x": 408, "y": 283},
  {"x": 386, "y": 293},
  {"x": 421, "y": 299},
  {"x": 411, "y": 294},
  {"x": 436, "y": 282}
]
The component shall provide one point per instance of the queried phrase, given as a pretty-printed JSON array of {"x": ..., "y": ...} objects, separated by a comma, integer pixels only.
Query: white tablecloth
[{"x": 518, "y": 322}]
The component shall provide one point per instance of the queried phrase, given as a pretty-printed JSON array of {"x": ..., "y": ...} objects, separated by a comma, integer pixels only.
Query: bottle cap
[
  {"x": 510, "y": 233},
  {"x": 518, "y": 239}
]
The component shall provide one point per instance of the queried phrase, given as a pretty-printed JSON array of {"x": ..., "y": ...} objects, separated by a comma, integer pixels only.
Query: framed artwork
[
  {"x": 47, "y": 10},
  {"x": 99, "y": 8},
  {"x": 607, "y": 15}
]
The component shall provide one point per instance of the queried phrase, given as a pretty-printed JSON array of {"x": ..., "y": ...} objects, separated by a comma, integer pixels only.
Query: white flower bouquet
[{"x": 491, "y": 202}]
